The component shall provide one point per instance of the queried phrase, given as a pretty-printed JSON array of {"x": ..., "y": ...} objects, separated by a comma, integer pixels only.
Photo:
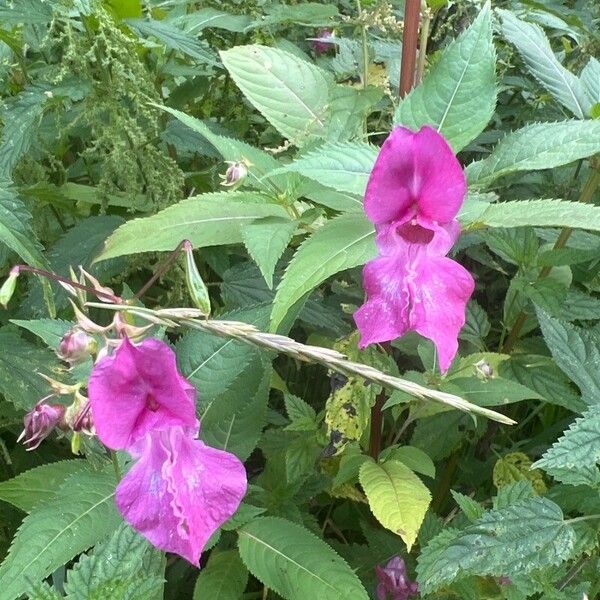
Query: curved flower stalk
[
  {"x": 180, "y": 491},
  {"x": 414, "y": 193}
]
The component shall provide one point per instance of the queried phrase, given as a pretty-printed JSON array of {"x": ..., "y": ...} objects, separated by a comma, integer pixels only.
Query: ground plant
[{"x": 299, "y": 300}]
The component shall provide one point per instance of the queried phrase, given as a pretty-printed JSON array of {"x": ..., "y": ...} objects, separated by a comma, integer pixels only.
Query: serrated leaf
[
  {"x": 537, "y": 54},
  {"x": 266, "y": 239},
  {"x": 173, "y": 38},
  {"x": 295, "y": 563},
  {"x": 204, "y": 18},
  {"x": 458, "y": 95},
  {"x": 477, "y": 325},
  {"x": 472, "y": 509},
  {"x": 26, "y": 12},
  {"x": 345, "y": 167},
  {"x": 40, "y": 484},
  {"x": 396, "y": 496},
  {"x": 82, "y": 513},
  {"x": 223, "y": 578},
  {"x": 206, "y": 220},
  {"x": 576, "y": 352},
  {"x": 537, "y": 146},
  {"x": 212, "y": 363},
  {"x": 515, "y": 540},
  {"x": 42, "y": 591},
  {"x": 590, "y": 77},
  {"x": 513, "y": 493},
  {"x": 297, "y": 409},
  {"x": 579, "y": 306},
  {"x": 574, "y": 458},
  {"x": 342, "y": 243},
  {"x": 413, "y": 458},
  {"x": 290, "y": 92},
  {"x": 50, "y": 331}
]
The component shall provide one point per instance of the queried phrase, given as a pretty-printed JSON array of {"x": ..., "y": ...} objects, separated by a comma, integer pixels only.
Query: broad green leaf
[
  {"x": 50, "y": 331},
  {"x": 496, "y": 391},
  {"x": 458, "y": 95},
  {"x": 590, "y": 77},
  {"x": 397, "y": 497},
  {"x": 42, "y": 591},
  {"x": 574, "y": 458},
  {"x": 348, "y": 108},
  {"x": 539, "y": 213},
  {"x": 472, "y": 509},
  {"x": 576, "y": 352},
  {"x": 537, "y": 146},
  {"x": 173, "y": 38},
  {"x": 38, "y": 485},
  {"x": 16, "y": 231},
  {"x": 125, "y": 557},
  {"x": 125, "y": 9},
  {"x": 26, "y": 12},
  {"x": 297, "y": 409},
  {"x": 295, "y": 563},
  {"x": 477, "y": 325},
  {"x": 20, "y": 382},
  {"x": 303, "y": 13},
  {"x": 223, "y": 578},
  {"x": 212, "y": 363},
  {"x": 536, "y": 52},
  {"x": 413, "y": 458},
  {"x": 579, "y": 306},
  {"x": 204, "y": 18},
  {"x": 342, "y": 243},
  {"x": 207, "y": 220},
  {"x": 512, "y": 541},
  {"x": 291, "y": 93},
  {"x": 514, "y": 492},
  {"x": 345, "y": 167},
  {"x": 266, "y": 239},
  {"x": 82, "y": 513}
]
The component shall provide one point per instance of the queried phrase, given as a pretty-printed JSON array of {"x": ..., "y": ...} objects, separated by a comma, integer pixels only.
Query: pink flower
[
  {"x": 40, "y": 422},
  {"x": 137, "y": 390},
  {"x": 180, "y": 491},
  {"x": 414, "y": 193},
  {"x": 393, "y": 580}
]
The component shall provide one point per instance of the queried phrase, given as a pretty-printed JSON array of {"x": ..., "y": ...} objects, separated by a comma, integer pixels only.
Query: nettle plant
[{"x": 367, "y": 366}]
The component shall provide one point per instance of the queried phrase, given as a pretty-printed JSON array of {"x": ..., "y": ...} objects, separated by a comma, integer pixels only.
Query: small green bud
[
  {"x": 8, "y": 287},
  {"x": 196, "y": 286}
]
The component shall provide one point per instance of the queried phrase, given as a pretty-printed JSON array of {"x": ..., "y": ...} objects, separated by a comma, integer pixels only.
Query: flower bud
[
  {"x": 235, "y": 174},
  {"x": 76, "y": 346},
  {"x": 40, "y": 421},
  {"x": 484, "y": 369},
  {"x": 195, "y": 284},
  {"x": 8, "y": 287},
  {"x": 78, "y": 416},
  {"x": 321, "y": 43},
  {"x": 393, "y": 580}
]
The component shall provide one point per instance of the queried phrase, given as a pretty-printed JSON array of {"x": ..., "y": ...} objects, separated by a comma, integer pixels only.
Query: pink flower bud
[
  {"x": 39, "y": 422},
  {"x": 76, "y": 346},
  {"x": 235, "y": 174},
  {"x": 321, "y": 43},
  {"x": 393, "y": 580}
]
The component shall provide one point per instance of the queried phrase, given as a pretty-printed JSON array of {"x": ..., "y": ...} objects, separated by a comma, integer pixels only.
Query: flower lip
[{"x": 414, "y": 233}]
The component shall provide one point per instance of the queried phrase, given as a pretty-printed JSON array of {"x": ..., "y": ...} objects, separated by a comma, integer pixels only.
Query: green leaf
[
  {"x": 537, "y": 146},
  {"x": 20, "y": 382},
  {"x": 266, "y": 239},
  {"x": 82, "y": 513},
  {"x": 26, "y": 12},
  {"x": 576, "y": 352},
  {"x": 125, "y": 558},
  {"x": 223, "y": 578},
  {"x": 38, "y": 485},
  {"x": 472, "y": 509},
  {"x": 295, "y": 563},
  {"x": 458, "y": 95},
  {"x": 303, "y": 13},
  {"x": 345, "y": 167},
  {"x": 204, "y": 18},
  {"x": 290, "y": 92},
  {"x": 16, "y": 231},
  {"x": 579, "y": 306},
  {"x": 173, "y": 38},
  {"x": 477, "y": 325},
  {"x": 42, "y": 591},
  {"x": 536, "y": 52},
  {"x": 397, "y": 497},
  {"x": 528, "y": 535},
  {"x": 50, "y": 331},
  {"x": 539, "y": 213},
  {"x": 212, "y": 363},
  {"x": 297, "y": 409},
  {"x": 414, "y": 458},
  {"x": 207, "y": 220},
  {"x": 590, "y": 77},
  {"x": 342, "y": 243},
  {"x": 574, "y": 458}
]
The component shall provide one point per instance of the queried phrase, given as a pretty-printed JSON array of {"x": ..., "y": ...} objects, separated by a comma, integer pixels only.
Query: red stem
[{"x": 410, "y": 37}]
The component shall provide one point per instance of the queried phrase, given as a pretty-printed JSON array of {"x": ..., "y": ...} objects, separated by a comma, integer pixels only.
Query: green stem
[
  {"x": 365, "y": 47},
  {"x": 585, "y": 518},
  {"x": 423, "y": 38}
]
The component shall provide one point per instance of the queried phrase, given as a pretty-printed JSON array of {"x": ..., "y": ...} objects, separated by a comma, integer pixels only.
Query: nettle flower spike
[
  {"x": 414, "y": 193},
  {"x": 180, "y": 491}
]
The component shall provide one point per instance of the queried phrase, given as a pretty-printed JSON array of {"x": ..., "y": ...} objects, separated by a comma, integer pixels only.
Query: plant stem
[
  {"x": 365, "y": 46},
  {"x": 376, "y": 423},
  {"x": 423, "y": 38},
  {"x": 412, "y": 11},
  {"x": 584, "y": 518},
  {"x": 586, "y": 195}
]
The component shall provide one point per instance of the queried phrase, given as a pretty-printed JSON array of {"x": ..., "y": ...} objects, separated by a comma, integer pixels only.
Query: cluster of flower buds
[{"x": 394, "y": 582}]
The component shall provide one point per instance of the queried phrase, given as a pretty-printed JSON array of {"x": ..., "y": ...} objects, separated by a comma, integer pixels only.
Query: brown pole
[{"x": 410, "y": 36}]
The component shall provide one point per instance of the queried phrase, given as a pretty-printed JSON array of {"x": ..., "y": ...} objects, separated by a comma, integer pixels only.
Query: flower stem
[
  {"x": 586, "y": 195},
  {"x": 423, "y": 37},
  {"x": 365, "y": 46},
  {"x": 412, "y": 11}
]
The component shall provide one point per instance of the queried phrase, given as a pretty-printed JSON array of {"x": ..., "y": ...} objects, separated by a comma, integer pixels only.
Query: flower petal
[
  {"x": 415, "y": 173},
  {"x": 384, "y": 316},
  {"x": 439, "y": 294},
  {"x": 138, "y": 389},
  {"x": 180, "y": 492}
]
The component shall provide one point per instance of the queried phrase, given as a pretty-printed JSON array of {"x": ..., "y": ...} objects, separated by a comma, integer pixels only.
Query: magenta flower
[
  {"x": 414, "y": 193},
  {"x": 40, "y": 422},
  {"x": 180, "y": 491},
  {"x": 393, "y": 580},
  {"x": 137, "y": 390}
]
